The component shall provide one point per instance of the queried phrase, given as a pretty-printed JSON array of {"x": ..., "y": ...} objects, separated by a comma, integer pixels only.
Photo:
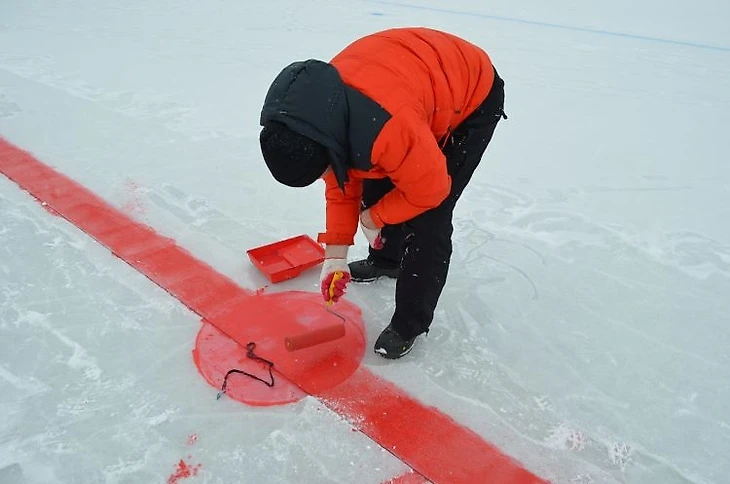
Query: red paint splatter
[
  {"x": 183, "y": 471},
  {"x": 192, "y": 439},
  {"x": 409, "y": 477}
]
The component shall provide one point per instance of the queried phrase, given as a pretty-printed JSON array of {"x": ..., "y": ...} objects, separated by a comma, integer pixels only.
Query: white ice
[{"x": 586, "y": 322}]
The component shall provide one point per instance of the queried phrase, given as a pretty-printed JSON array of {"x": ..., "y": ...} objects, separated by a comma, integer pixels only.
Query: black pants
[{"x": 422, "y": 246}]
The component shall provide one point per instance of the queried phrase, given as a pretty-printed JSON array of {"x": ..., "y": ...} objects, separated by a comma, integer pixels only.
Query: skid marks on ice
[
  {"x": 196, "y": 214},
  {"x": 556, "y": 224},
  {"x": 8, "y": 108},
  {"x": 149, "y": 106},
  {"x": 508, "y": 250}
]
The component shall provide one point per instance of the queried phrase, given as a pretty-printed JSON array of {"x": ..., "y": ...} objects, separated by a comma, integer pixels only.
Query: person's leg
[
  {"x": 427, "y": 252},
  {"x": 390, "y": 255}
]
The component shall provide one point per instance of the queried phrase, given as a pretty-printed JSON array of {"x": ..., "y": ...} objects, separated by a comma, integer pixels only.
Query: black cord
[{"x": 249, "y": 352}]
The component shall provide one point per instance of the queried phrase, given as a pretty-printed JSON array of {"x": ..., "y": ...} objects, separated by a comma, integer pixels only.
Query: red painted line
[
  {"x": 426, "y": 439},
  {"x": 429, "y": 441}
]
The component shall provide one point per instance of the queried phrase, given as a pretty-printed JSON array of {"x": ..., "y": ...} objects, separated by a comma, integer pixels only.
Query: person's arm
[
  {"x": 336, "y": 251},
  {"x": 342, "y": 212},
  {"x": 343, "y": 209}
]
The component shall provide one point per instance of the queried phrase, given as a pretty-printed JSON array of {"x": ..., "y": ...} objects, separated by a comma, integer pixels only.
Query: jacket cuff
[
  {"x": 335, "y": 239},
  {"x": 377, "y": 218}
]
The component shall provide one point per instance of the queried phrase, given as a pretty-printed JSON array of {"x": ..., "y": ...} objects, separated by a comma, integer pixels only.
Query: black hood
[{"x": 310, "y": 98}]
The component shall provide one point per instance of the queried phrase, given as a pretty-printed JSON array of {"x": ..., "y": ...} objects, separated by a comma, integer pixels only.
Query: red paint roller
[
  {"x": 323, "y": 335},
  {"x": 315, "y": 337}
]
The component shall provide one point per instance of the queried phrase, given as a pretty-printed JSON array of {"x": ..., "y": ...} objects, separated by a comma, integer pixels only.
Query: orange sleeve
[
  {"x": 343, "y": 211},
  {"x": 408, "y": 153}
]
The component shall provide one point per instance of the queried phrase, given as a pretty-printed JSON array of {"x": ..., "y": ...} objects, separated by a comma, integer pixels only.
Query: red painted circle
[{"x": 267, "y": 319}]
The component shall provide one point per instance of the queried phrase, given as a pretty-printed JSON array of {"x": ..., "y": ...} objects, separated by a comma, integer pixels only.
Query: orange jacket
[{"x": 428, "y": 82}]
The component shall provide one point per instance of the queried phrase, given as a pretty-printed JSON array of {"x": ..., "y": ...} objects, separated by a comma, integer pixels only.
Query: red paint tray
[{"x": 288, "y": 258}]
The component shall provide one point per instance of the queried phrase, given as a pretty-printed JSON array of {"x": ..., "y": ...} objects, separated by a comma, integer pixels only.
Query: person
[{"x": 395, "y": 124}]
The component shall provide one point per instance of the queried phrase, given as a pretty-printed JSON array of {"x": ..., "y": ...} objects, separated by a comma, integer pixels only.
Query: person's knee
[
  {"x": 430, "y": 244},
  {"x": 434, "y": 224}
]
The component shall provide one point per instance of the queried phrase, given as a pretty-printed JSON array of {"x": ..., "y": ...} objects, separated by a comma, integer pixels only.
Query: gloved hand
[
  {"x": 333, "y": 279},
  {"x": 371, "y": 232}
]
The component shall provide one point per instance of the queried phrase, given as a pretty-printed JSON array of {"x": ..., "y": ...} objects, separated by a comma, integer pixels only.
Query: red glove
[{"x": 333, "y": 279}]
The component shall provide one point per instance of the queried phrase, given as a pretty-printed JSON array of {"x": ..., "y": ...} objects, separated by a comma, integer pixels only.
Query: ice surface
[{"x": 585, "y": 326}]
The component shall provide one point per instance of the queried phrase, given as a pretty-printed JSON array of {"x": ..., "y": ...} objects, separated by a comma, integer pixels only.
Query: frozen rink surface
[{"x": 584, "y": 330}]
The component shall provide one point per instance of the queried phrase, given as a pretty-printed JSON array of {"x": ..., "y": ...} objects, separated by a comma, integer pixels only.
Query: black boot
[
  {"x": 390, "y": 344},
  {"x": 366, "y": 271}
]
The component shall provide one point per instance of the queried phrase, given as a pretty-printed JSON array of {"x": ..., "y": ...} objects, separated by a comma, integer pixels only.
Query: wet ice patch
[
  {"x": 8, "y": 108},
  {"x": 12, "y": 474}
]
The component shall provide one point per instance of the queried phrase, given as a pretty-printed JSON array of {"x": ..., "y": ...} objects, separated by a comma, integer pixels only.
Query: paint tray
[{"x": 288, "y": 258}]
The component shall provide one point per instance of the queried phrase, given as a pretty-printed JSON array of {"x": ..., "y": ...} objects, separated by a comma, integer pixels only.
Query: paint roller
[{"x": 315, "y": 337}]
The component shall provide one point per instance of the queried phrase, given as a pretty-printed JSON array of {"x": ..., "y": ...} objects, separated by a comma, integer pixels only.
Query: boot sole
[{"x": 382, "y": 352}]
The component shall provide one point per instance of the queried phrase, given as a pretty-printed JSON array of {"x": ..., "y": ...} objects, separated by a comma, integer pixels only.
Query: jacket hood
[{"x": 309, "y": 97}]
